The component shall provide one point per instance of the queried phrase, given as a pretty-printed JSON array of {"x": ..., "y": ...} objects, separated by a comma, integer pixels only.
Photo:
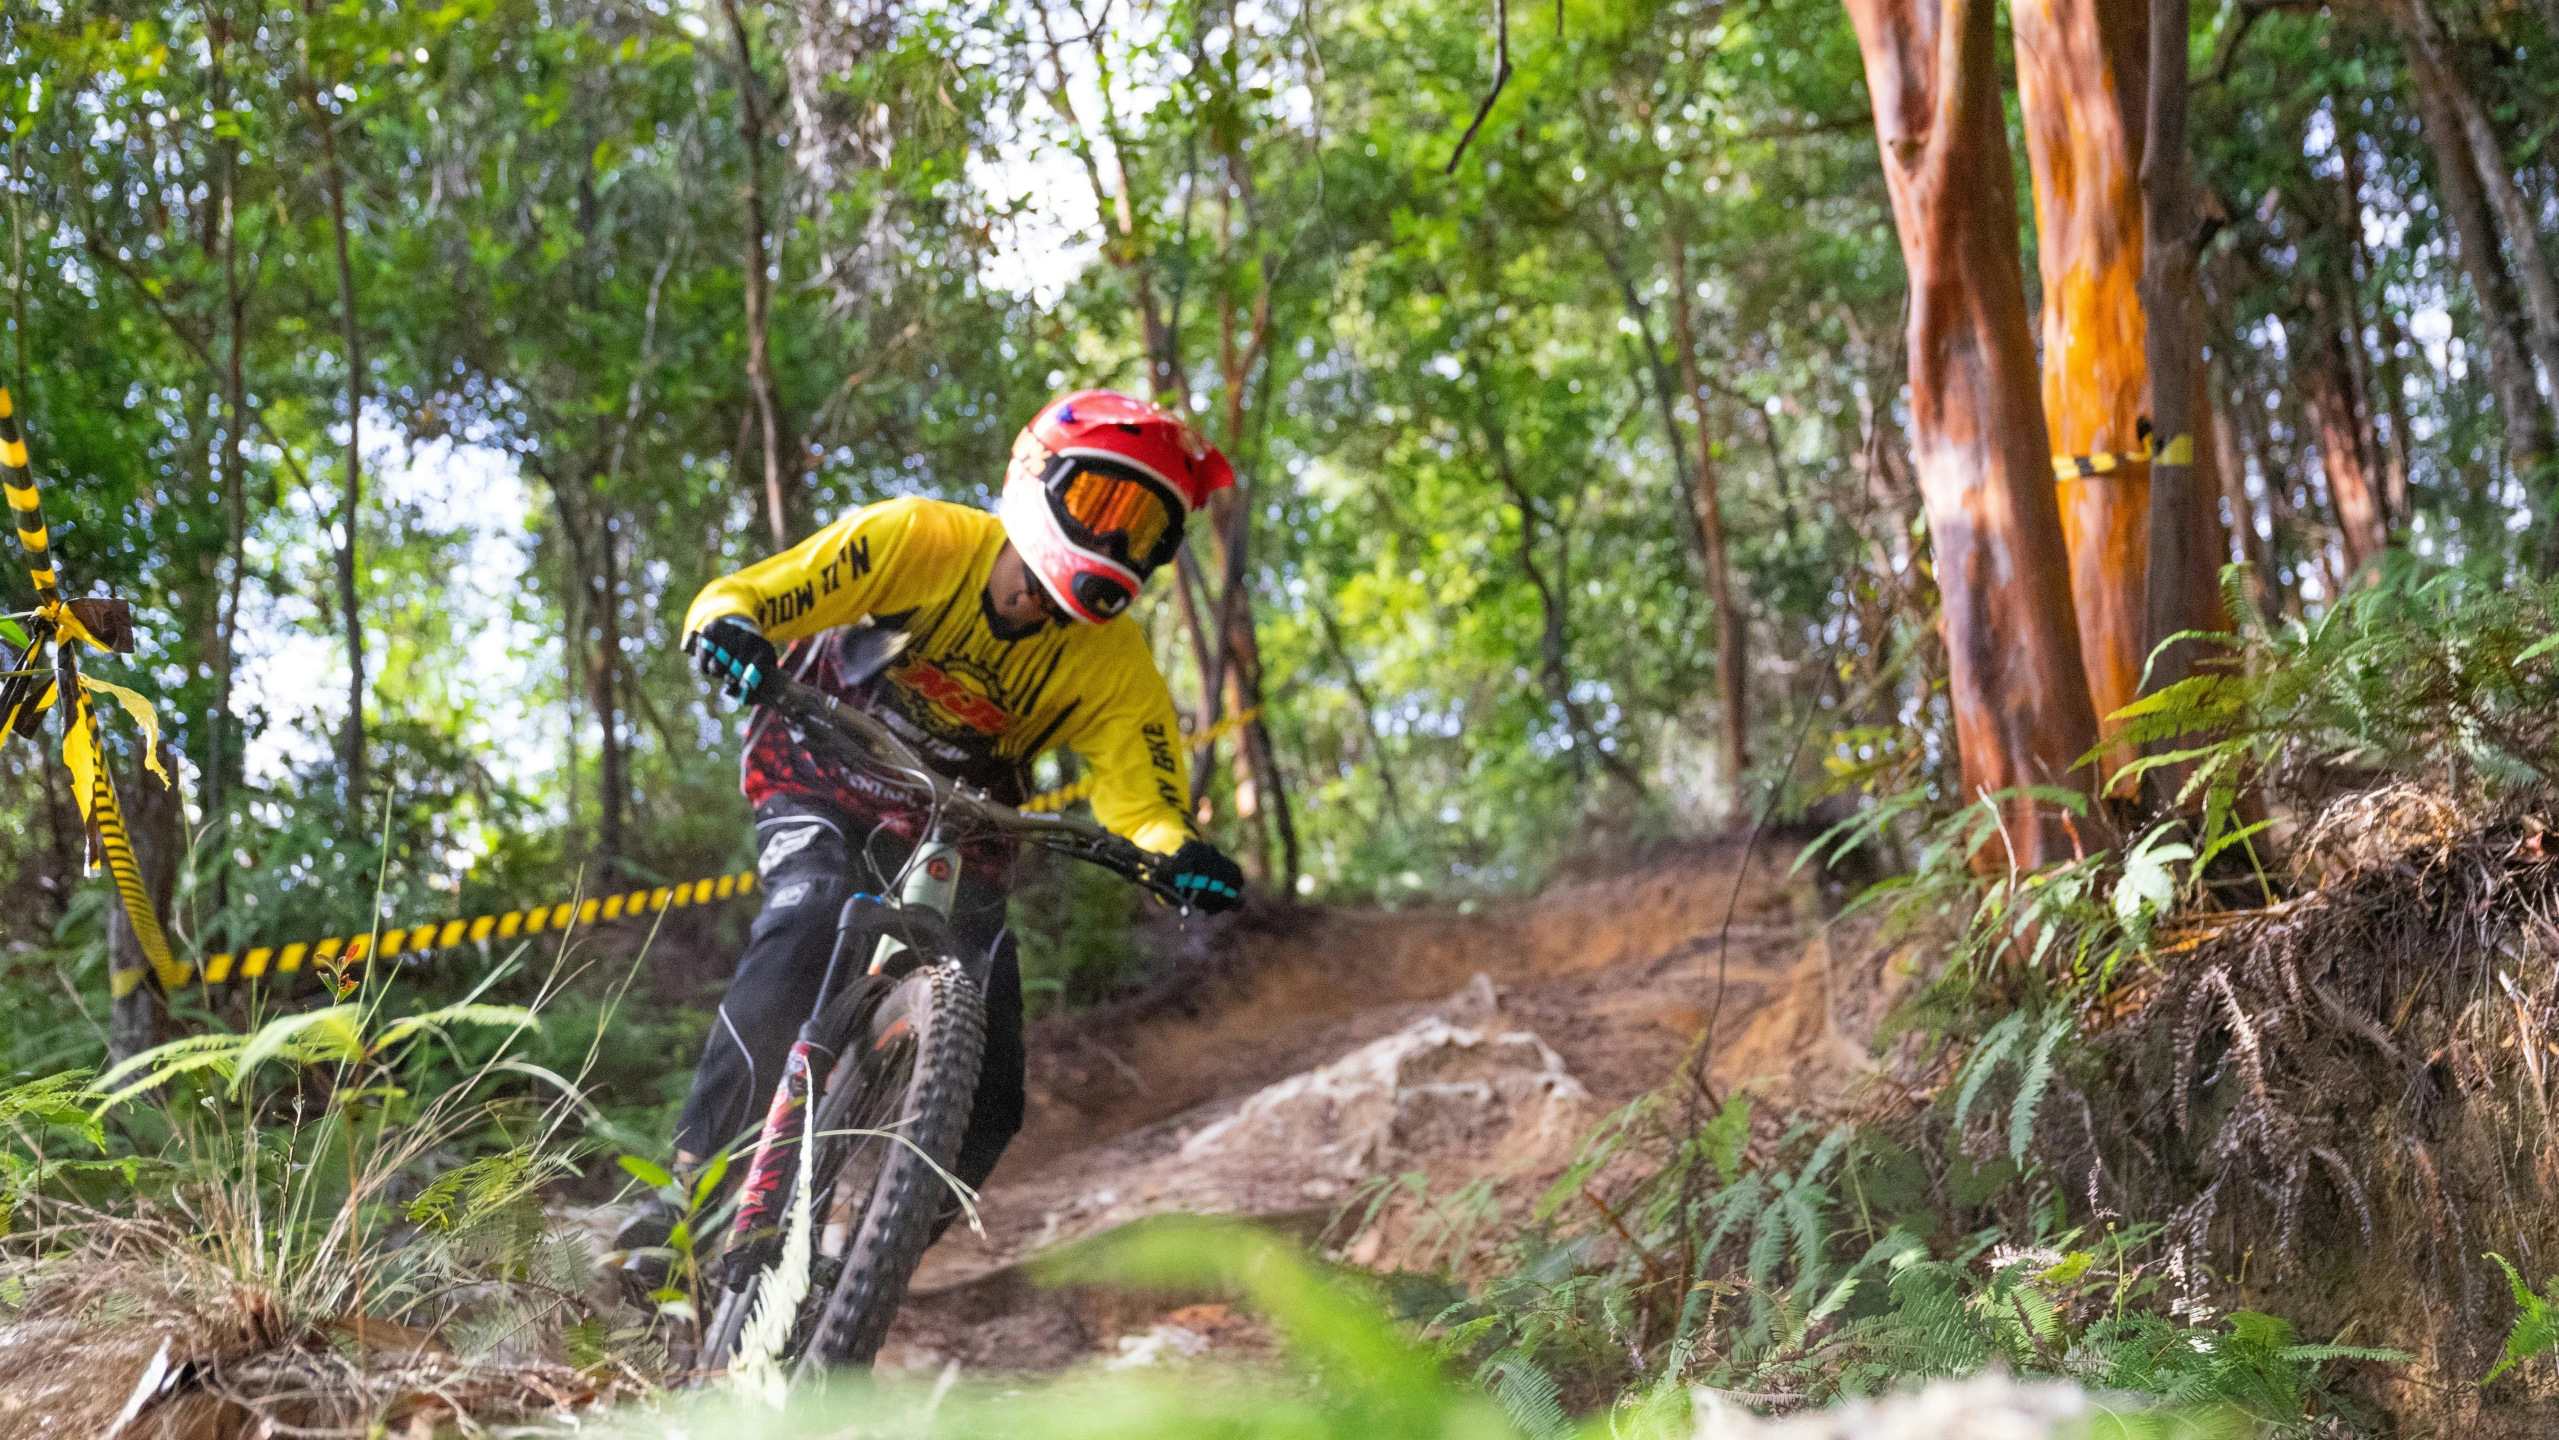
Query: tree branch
[{"x": 1501, "y": 77}]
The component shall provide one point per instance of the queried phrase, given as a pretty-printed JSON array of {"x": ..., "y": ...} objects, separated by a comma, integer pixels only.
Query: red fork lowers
[{"x": 769, "y": 1174}]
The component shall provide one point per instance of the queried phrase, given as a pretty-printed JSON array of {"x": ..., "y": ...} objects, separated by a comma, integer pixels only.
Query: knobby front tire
[
  {"x": 941, "y": 1013},
  {"x": 845, "y": 1031}
]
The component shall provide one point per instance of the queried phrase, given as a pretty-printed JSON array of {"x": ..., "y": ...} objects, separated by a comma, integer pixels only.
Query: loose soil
[{"x": 1612, "y": 981}]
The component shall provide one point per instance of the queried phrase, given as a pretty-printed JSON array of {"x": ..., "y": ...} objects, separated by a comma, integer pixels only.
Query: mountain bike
[{"x": 877, "y": 1086}]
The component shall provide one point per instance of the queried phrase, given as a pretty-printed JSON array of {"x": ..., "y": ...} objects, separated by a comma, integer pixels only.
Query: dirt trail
[{"x": 1311, "y": 1049}]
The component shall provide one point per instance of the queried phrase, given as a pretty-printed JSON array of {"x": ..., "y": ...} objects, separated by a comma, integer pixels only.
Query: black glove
[
  {"x": 1204, "y": 877},
  {"x": 734, "y": 654}
]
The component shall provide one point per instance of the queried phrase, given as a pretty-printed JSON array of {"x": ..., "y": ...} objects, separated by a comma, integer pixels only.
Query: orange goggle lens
[{"x": 1119, "y": 513}]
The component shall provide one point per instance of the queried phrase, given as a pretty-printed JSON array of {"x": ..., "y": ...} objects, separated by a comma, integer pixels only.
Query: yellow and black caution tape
[
  {"x": 2180, "y": 450},
  {"x": 82, "y": 751},
  {"x": 339, "y": 952},
  {"x": 85, "y": 754},
  {"x": 1050, "y": 802},
  {"x": 19, "y": 483}
]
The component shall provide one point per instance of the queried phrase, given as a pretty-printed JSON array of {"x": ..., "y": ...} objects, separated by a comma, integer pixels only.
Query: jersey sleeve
[
  {"x": 1133, "y": 741},
  {"x": 876, "y": 561}
]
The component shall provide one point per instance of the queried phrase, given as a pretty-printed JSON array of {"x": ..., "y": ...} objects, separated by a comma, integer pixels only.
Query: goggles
[{"x": 1112, "y": 510}]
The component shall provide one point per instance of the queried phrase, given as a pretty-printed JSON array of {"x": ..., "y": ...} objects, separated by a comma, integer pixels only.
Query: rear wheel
[{"x": 910, "y": 1089}]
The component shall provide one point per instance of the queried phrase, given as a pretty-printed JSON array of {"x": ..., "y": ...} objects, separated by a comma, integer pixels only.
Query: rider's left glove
[
  {"x": 735, "y": 655},
  {"x": 1204, "y": 877}
]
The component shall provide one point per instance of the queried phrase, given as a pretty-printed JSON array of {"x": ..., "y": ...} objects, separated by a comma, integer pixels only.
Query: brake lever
[{"x": 1133, "y": 864}]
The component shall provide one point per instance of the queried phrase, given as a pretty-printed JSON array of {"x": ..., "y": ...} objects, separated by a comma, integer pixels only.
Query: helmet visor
[{"x": 1118, "y": 514}]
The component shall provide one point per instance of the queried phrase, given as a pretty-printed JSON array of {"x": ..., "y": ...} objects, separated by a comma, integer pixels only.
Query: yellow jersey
[{"x": 978, "y": 706}]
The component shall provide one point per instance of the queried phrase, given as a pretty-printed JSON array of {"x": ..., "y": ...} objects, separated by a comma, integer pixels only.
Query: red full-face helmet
[{"x": 1096, "y": 495}]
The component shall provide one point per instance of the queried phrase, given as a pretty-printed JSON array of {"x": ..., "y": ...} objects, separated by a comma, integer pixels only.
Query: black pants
[{"x": 810, "y": 858}]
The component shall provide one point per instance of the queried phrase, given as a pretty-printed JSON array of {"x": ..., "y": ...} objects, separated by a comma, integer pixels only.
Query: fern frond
[
  {"x": 2037, "y": 1077},
  {"x": 1993, "y": 1048},
  {"x": 1528, "y": 1395}
]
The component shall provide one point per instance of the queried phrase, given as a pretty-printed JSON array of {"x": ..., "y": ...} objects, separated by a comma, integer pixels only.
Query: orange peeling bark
[
  {"x": 2081, "y": 81},
  {"x": 2019, "y": 693}
]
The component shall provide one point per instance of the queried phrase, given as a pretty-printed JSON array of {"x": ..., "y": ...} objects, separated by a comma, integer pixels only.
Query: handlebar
[{"x": 862, "y": 740}]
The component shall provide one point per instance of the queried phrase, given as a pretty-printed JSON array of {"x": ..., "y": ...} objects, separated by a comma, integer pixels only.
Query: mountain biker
[{"x": 983, "y": 640}]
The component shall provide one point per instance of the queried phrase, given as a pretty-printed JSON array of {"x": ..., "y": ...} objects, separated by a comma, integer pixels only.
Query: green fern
[
  {"x": 468, "y": 1194},
  {"x": 2034, "y": 1079},
  {"x": 1527, "y": 1394},
  {"x": 1987, "y": 1053},
  {"x": 2536, "y": 1328}
]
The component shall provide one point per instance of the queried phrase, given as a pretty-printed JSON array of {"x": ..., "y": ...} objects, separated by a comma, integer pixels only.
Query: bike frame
[
  {"x": 929, "y": 881},
  {"x": 932, "y": 883}
]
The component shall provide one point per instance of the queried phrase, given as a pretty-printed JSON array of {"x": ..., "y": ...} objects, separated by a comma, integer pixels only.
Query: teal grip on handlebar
[{"x": 748, "y": 678}]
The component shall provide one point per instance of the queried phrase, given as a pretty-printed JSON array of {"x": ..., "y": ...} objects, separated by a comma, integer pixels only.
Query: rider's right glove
[
  {"x": 735, "y": 654},
  {"x": 1204, "y": 877}
]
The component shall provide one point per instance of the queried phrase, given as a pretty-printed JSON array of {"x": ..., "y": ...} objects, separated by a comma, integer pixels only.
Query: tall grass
[{"x": 359, "y": 1175}]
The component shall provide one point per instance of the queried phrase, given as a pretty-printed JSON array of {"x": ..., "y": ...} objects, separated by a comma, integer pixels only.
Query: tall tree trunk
[
  {"x": 759, "y": 324},
  {"x": 1554, "y": 637},
  {"x": 2457, "y": 185},
  {"x": 2282, "y": 527},
  {"x": 572, "y": 664},
  {"x": 2172, "y": 348},
  {"x": 351, "y": 739},
  {"x": 2232, "y": 468},
  {"x": 2082, "y": 75},
  {"x": 2328, "y": 404},
  {"x": 592, "y": 652},
  {"x": 2018, "y": 689},
  {"x": 1223, "y": 638},
  {"x": 1242, "y": 340},
  {"x": 1208, "y": 655},
  {"x": 2381, "y": 373},
  {"x": 604, "y": 671},
  {"x": 2515, "y": 210},
  {"x": 2349, "y": 436},
  {"x": 1360, "y": 696},
  {"x": 224, "y": 760},
  {"x": 1732, "y": 639}
]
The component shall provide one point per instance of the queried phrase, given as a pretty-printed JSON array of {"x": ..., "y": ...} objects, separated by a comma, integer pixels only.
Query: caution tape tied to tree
[
  {"x": 29, "y": 688},
  {"x": 29, "y": 691},
  {"x": 2180, "y": 450},
  {"x": 336, "y": 953}
]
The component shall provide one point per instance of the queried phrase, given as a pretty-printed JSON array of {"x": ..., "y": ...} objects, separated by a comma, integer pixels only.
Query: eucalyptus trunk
[
  {"x": 2082, "y": 75},
  {"x": 1979, "y": 442},
  {"x": 2168, "y": 289}
]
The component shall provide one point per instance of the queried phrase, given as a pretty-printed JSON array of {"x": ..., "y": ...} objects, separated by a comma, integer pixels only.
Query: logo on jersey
[{"x": 957, "y": 695}]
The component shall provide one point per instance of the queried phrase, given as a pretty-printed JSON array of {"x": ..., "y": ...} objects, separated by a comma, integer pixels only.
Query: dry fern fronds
[{"x": 2368, "y": 1066}]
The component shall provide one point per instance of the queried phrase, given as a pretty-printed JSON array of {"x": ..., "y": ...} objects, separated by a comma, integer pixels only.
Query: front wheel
[{"x": 912, "y": 1085}]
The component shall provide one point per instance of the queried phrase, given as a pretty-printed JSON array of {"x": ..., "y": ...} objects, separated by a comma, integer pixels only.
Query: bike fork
[
  {"x": 932, "y": 882},
  {"x": 772, "y": 1170}
]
